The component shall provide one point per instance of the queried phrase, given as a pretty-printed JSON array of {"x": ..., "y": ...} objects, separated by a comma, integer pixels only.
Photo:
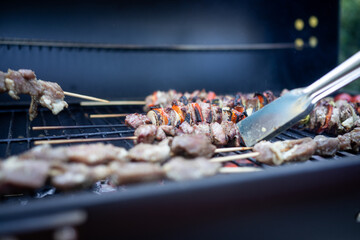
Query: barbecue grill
[{"x": 128, "y": 49}]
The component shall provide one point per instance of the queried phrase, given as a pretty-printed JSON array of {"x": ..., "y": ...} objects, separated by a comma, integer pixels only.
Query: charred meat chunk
[
  {"x": 344, "y": 142},
  {"x": 72, "y": 176},
  {"x": 179, "y": 168},
  {"x": 46, "y": 152},
  {"x": 285, "y": 151},
  {"x": 94, "y": 154},
  {"x": 25, "y": 173},
  {"x": 202, "y": 129},
  {"x": 186, "y": 128},
  {"x": 355, "y": 139},
  {"x": 169, "y": 130},
  {"x": 326, "y": 146},
  {"x": 146, "y": 133},
  {"x": 218, "y": 135},
  {"x": 192, "y": 146},
  {"x": 160, "y": 134},
  {"x": 150, "y": 153},
  {"x": 135, "y": 120},
  {"x": 125, "y": 173}
]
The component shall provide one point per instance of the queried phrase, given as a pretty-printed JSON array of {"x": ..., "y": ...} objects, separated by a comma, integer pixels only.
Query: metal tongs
[{"x": 287, "y": 110}]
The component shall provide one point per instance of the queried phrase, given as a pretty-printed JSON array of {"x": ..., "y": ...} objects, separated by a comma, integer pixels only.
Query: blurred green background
[{"x": 350, "y": 34}]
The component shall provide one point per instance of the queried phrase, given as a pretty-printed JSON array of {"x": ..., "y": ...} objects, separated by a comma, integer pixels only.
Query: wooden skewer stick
[
  {"x": 85, "y": 97},
  {"x": 219, "y": 150},
  {"x": 239, "y": 169},
  {"x": 83, "y": 140},
  {"x": 234, "y": 157},
  {"x": 76, "y": 127},
  {"x": 108, "y": 115},
  {"x": 111, "y": 103},
  {"x": 232, "y": 149}
]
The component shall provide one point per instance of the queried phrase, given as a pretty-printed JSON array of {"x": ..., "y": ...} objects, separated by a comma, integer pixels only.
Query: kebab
[
  {"x": 164, "y": 99},
  {"x": 332, "y": 116},
  {"x": 23, "y": 81},
  {"x": 47, "y": 94},
  {"x": 326, "y": 118},
  {"x": 209, "y": 110},
  {"x": 302, "y": 149},
  {"x": 80, "y": 166}
]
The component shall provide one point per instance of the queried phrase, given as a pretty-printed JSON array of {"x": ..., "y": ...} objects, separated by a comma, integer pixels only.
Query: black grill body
[
  {"x": 162, "y": 45},
  {"x": 144, "y": 29}
]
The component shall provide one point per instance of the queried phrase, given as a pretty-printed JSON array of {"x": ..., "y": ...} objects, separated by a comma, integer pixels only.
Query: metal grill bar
[
  {"x": 103, "y": 134},
  {"x": 8, "y": 141},
  {"x": 130, "y": 47}
]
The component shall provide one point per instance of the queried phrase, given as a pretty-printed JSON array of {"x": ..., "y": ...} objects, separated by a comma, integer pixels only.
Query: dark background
[{"x": 135, "y": 74}]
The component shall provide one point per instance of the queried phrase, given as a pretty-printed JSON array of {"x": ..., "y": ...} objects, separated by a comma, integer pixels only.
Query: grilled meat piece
[
  {"x": 348, "y": 114},
  {"x": 94, "y": 154},
  {"x": 269, "y": 96},
  {"x": 202, "y": 129},
  {"x": 146, "y": 133},
  {"x": 150, "y": 153},
  {"x": 332, "y": 117},
  {"x": 350, "y": 141},
  {"x": 73, "y": 176},
  {"x": 169, "y": 130},
  {"x": 125, "y": 173},
  {"x": 326, "y": 146},
  {"x": 192, "y": 146},
  {"x": 46, "y": 152},
  {"x": 218, "y": 135},
  {"x": 285, "y": 151},
  {"x": 90, "y": 154},
  {"x": 24, "y": 173},
  {"x": 179, "y": 168},
  {"x": 344, "y": 142},
  {"x": 186, "y": 128},
  {"x": 232, "y": 133},
  {"x": 136, "y": 120},
  {"x": 355, "y": 139},
  {"x": 160, "y": 134},
  {"x": 47, "y": 94},
  {"x": 216, "y": 113},
  {"x": 206, "y": 112}
]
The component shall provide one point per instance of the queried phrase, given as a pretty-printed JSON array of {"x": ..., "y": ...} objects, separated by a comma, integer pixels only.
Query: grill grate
[{"x": 16, "y": 135}]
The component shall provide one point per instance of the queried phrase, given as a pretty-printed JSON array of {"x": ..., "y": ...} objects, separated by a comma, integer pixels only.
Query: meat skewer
[
  {"x": 335, "y": 118},
  {"x": 235, "y": 157},
  {"x": 112, "y": 103},
  {"x": 81, "y": 165},
  {"x": 35, "y": 128},
  {"x": 23, "y": 81},
  {"x": 239, "y": 169},
  {"x": 82, "y": 140},
  {"x": 85, "y": 97},
  {"x": 165, "y": 99},
  {"x": 47, "y": 94},
  {"x": 108, "y": 115}
]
